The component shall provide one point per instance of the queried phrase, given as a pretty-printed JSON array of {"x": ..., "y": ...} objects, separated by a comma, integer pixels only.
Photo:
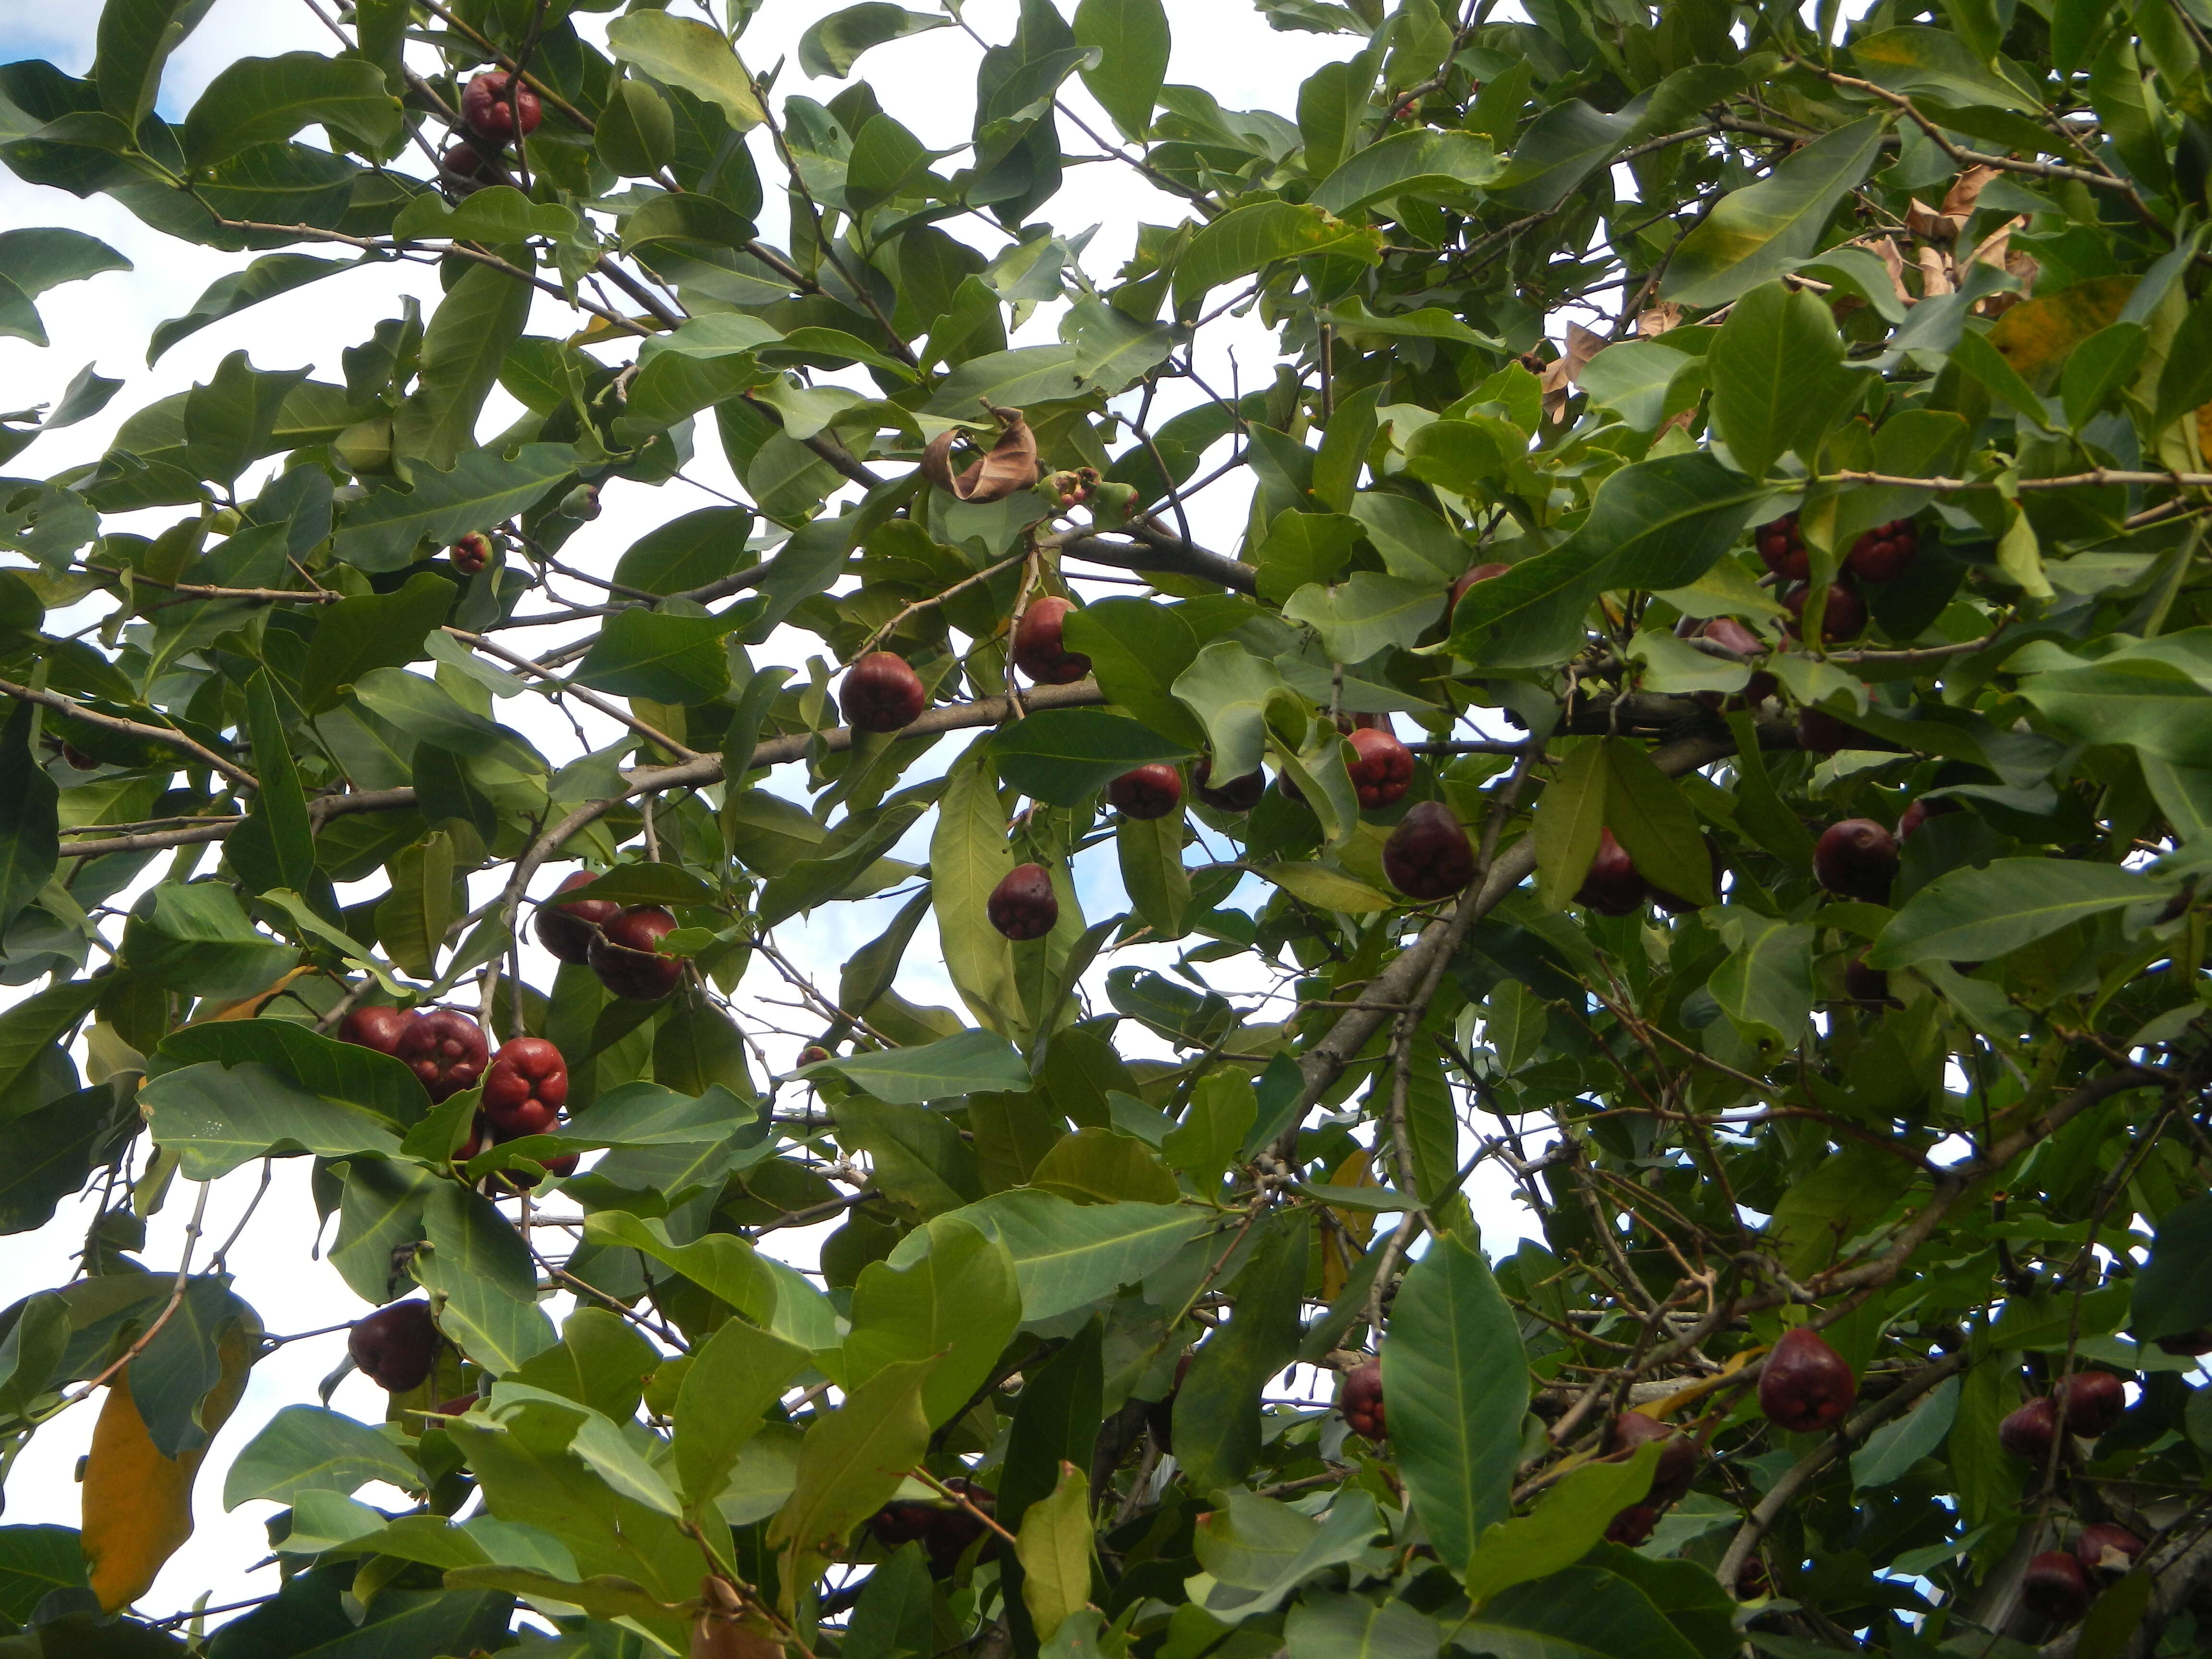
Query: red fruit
[
  {"x": 1150, "y": 792},
  {"x": 1921, "y": 810},
  {"x": 1040, "y": 651},
  {"x": 2055, "y": 1587},
  {"x": 1868, "y": 987},
  {"x": 471, "y": 553},
  {"x": 463, "y": 161},
  {"x": 78, "y": 759},
  {"x": 447, "y": 1050},
  {"x": 1753, "y": 1582},
  {"x": 1678, "y": 1457},
  {"x": 1844, "y": 619},
  {"x": 1733, "y": 637},
  {"x": 1428, "y": 856},
  {"x": 1857, "y": 858},
  {"x": 2106, "y": 1549},
  {"x": 1632, "y": 1525},
  {"x": 882, "y": 693},
  {"x": 1023, "y": 905},
  {"x": 396, "y": 1347},
  {"x": 1383, "y": 770},
  {"x": 814, "y": 1054},
  {"x": 567, "y": 930},
  {"x": 1885, "y": 552},
  {"x": 2092, "y": 1402},
  {"x": 1481, "y": 573},
  {"x": 1806, "y": 1386},
  {"x": 562, "y": 1166},
  {"x": 456, "y": 1407},
  {"x": 1361, "y": 1401},
  {"x": 2029, "y": 1432},
  {"x": 944, "y": 1531},
  {"x": 2191, "y": 1343},
  {"x": 1782, "y": 549},
  {"x": 1820, "y": 732},
  {"x": 1237, "y": 795},
  {"x": 496, "y": 107},
  {"x": 379, "y": 1029},
  {"x": 1612, "y": 888},
  {"x": 626, "y": 955},
  {"x": 525, "y": 1086}
]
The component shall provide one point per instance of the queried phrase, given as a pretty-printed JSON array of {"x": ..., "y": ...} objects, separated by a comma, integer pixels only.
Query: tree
[{"x": 1796, "y": 587}]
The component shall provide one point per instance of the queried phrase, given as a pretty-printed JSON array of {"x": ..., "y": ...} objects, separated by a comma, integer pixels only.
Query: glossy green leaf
[
  {"x": 682, "y": 51},
  {"x": 1972, "y": 914},
  {"x": 1248, "y": 238},
  {"x": 484, "y": 487},
  {"x": 656, "y": 654},
  {"x": 259, "y": 100},
  {"x": 1764, "y": 229},
  {"x": 959, "y": 1305},
  {"x": 1064, "y": 754},
  {"x": 831, "y": 45},
  {"x": 30, "y": 821}
]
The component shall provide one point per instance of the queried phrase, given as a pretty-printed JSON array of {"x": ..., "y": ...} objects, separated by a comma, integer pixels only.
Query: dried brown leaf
[{"x": 1009, "y": 465}]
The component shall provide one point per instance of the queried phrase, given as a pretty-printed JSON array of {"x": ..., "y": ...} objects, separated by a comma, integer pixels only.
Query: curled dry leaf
[
  {"x": 1935, "y": 272},
  {"x": 1565, "y": 373},
  {"x": 1010, "y": 465},
  {"x": 1655, "y": 319},
  {"x": 719, "y": 1633}
]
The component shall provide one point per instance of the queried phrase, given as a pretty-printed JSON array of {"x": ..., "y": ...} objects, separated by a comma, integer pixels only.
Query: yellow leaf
[
  {"x": 254, "y": 1005},
  {"x": 2041, "y": 331},
  {"x": 138, "y": 1503}
]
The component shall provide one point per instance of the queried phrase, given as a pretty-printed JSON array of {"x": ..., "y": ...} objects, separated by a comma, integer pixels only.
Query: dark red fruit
[
  {"x": 78, "y": 759},
  {"x": 567, "y": 930},
  {"x": 2092, "y": 1402},
  {"x": 1921, "y": 810},
  {"x": 524, "y": 1087},
  {"x": 465, "y": 160},
  {"x": 561, "y": 1167},
  {"x": 379, "y": 1029},
  {"x": 456, "y": 1407},
  {"x": 1806, "y": 1386},
  {"x": 1844, "y": 619},
  {"x": 1612, "y": 888},
  {"x": 396, "y": 1347},
  {"x": 1868, "y": 987},
  {"x": 471, "y": 553},
  {"x": 2029, "y": 1432},
  {"x": 1384, "y": 769},
  {"x": 2106, "y": 1549},
  {"x": 1885, "y": 552},
  {"x": 447, "y": 1050},
  {"x": 1782, "y": 549},
  {"x": 1023, "y": 905},
  {"x": 2190, "y": 1343},
  {"x": 497, "y": 106},
  {"x": 2055, "y": 1587},
  {"x": 1237, "y": 795},
  {"x": 812, "y": 1055},
  {"x": 882, "y": 693},
  {"x": 1361, "y": 1401},
  {"x": 1150, "y": 792},
  {"x": 626, "y": 955},
  {"x": 1678, "y": 1457},
  {"x": 1733, "y": 637},
  {"x": 1481, "y": 573},
  {"x": 1857, "y": 858},
  {"x": 1820, "y": 732},
  {"x": 1428, "y": 856},
  {"x": 1040, "y": 651},
  {"x": 1753, "y": 1582},
  {"x": 1632, "y": 1525},
  {"x": 944, "y": 1531}
]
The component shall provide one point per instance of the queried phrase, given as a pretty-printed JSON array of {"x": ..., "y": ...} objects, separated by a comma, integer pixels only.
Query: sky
[{"x": 1221, "y": 44}]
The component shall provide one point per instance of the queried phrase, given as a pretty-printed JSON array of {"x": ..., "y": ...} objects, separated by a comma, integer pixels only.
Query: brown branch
[{"x": 162, "y": 734}]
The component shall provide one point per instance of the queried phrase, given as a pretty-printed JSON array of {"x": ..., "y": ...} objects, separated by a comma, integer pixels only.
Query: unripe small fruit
[
  {"x": 1040, "y": 649},
  {"x": 1782, "y": 549},
  {"x": 2093, "y": 1401},
  {"x": 2030, "y": 1431},
  {"x": 1481, "y": 573},
  {"x": 1843, "y": 617},
  {"x": 1612, "y": 888},
  {"x": 1678, "y": 1457},
  {"x": 1923, "y": 810},
  {"x": 567, "y": 930},
  {"x": 447, "y": 1051},
  {"x": 1383, "y": 770},
  {"x": 1149, "y": 792},
  {"x": 525, "y": 1086},
  {"x": 1856, "y": 858},
  {"x": 496, "y": 107},
  {"x": 396, "y": 1347},
  {"x": 1884, "y": 553},
  {"x": 882, "y": 693},
  {"x": 1237, "y": 795},
  {"x": 1361, "y": 1402},
  {"x": 812, "y": 1055},
  {"x": 1023, "y": 905},
  {"x": 1868, "y": 987},
  {"x": 1805, "y": 1386},
  {"x": 2106, "y": 1549},
  {"x": 1428, "y": 856},
  {"x": 379, "y": 1029},
  {"x": 2055, "y": 1586},
  {"x": 1820, "y": 732},
  {"x": 471, "y": 553},
  {"x": 626, "y": 954},
  {"x": 1632, "y": 1525}
]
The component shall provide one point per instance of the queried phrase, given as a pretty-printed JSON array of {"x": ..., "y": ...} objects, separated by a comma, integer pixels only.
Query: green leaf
[
  {"x": 1581, "y": 1613},
  {"x": 1778, "y": 376},
  {"x": 1102, "y": 1166},
  {"x": 1113, "y": 350},
  {"x": 832, "y": 44},
  {"x": 936, "y": 1071},
  {"x": 382, "y": 532},
  {"x": 687, "y": 552},
  {"x": 219, "y": 1118},
  {"x": 1766, "y": 229},
  {"x": 1972, "y": 914},
  {"x": 968, "y": 857},
  {"x": 918, "y": 1157},
  {"x": 656, "y": 654},
  {"x": 264, "y": 100},
  {"x": 52, "y": 1150},
  {"x": 30, "y": 817},
  {"x": 1767, "y": 984},
  {"x": 1367, "y": 614},
  {"x": 1328, "y": 1625},
  {"x": 276, "y": 845},
  {"x": 1332, "y": 103},
  {"x": 1054, "y": 1550},
  {"x": 2174, "y": 1290},
  {"x": 1229, "y": 690},
  {"x": 1458, "y": 1386},
  {"x": 1569, "y": 814},
  {"x": 1918, "y": 60},
  {"x": 1325, "y": 887},
  {"x": 1892, "y": 1449},
  {"x": 734, "y": 1376},
  {"x": 493, "y": 215},
  {"x": 1424, "y": 162},
  {"x": 1562, "y": 147},
  {"x": 33, "y": 260},
  {"x": 1217, "y": 1413},
  {"x": 1137, "y": 647},
  {"x": 30, "y": 1029},
  {"x": 368, "y": 631},
  {"x": 307, "y": 1448},
  {"x": 1248, "y": 238},
  {"x": 1566, "y": 1525},
  {"x": 959, "y": 1305},
  {"x": 854, "y": 1458},
  {"x": 264, "y": 279},
  {"x": 34, "y": 1562},
  {"x": 338, "y": 1070},
  {"x": 724, "y": 1265},
  {"x": 195, "y": 936},
  {"x": 1132, "y": 39},
  {"x": 134, "y": 40},
  {"x": 1062, "y": 756},
  {"x": 1648, "y": 814},
  {"x": 2098, "y": 367},
  {"x": 1150, "y": 853},
  {"x": 476, "y": 1260},
  {"x": 1259, "y": 1550},
  {"x": 1008, "y": 379},
  {"x": 479, "y": 318},
  {"x": 684, "y": 52},
  {"x": 1071, "y": 1256}
]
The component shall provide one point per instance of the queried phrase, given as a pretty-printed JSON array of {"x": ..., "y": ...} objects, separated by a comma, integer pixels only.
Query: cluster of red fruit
[
  {"x": 620, "y": 944},
  {"x": 471, "y": 554},
  {"x": 2061, "y": 1584},
  {"x": 495, "y": 108},
  {"x": 945, "y": 1531},
  {"x": 882, "y": 692},
  {"x": 524, "y": 1084},
  {"x": 1881, "y": 554}
]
